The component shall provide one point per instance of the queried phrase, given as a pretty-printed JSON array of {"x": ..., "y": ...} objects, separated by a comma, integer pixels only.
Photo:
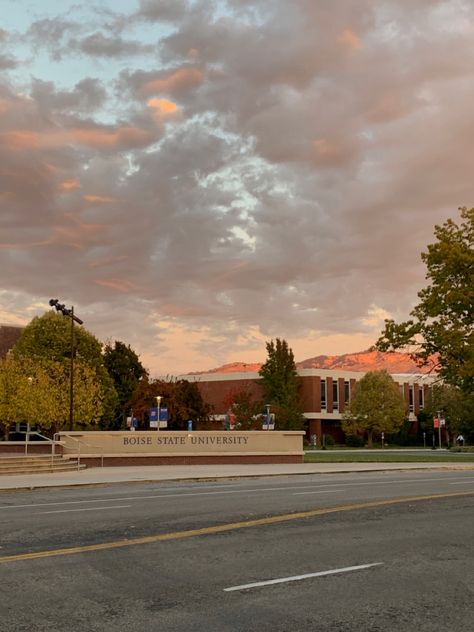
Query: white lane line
[
  {"x": 297, "y": 578},
  {"x": 56, "y": 511},
  {"x": 465, "y": 482},
  {"x": 154, "y": 496},
  {"x": 151, "y": 497},
  {"x": 224, "y": 491},
  {"x": 324, "y": 491}
]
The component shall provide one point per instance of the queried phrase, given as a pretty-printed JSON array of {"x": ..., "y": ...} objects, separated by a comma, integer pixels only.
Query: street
[{"x": 184, "y": 556}]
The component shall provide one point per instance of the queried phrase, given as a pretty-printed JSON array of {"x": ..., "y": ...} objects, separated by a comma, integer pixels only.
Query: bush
[
  {"x": 328, "y": 441},
  {"x": 355, "y": 441}
]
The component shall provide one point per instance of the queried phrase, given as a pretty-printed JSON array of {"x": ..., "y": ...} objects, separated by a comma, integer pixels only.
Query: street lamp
[
  {"x": 267, "y": 406},
  {"x": 158, "y": 400},
  {"x": 74, "y": 319}
]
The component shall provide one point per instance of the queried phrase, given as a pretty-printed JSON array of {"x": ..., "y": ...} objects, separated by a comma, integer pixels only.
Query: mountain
[
  {"x": 362, "y": 361},
  {"x": 365, "y": 361}
]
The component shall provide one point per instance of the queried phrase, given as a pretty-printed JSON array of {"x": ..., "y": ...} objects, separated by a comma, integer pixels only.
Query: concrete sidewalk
[{"x": 110, "y": 475}]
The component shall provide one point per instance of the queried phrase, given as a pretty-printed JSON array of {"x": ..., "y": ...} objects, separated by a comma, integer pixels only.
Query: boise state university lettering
[{"x": 134, "y": 440}]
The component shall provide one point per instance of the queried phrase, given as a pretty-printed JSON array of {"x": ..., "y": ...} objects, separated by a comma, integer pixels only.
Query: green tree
[
  {"x": 126, "y": 370},
  {"x": 281, "y": 385},
  {"x": 191, "y": 405},
  {"x": 456, "y": 406},
  {"x": 48, "y": 338},
  {"x": 376, "y": 406},
  {"x": 442, "y": 324}
]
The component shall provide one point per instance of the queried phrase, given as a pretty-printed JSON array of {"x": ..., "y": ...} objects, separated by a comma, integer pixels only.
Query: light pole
[
  {"x": 74, "y": 319},
  {"x": 268, "y": 416},
  {"x": 158, "y": 400}
]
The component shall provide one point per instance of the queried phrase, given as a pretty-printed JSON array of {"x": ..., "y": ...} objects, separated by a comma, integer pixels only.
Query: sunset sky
[{"x": 198, "y": 177}]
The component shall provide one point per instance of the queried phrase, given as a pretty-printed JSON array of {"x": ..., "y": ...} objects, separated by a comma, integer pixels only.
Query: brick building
[
  {"x": 324, "y": 393},
  {"x": 9, "y": 336}
]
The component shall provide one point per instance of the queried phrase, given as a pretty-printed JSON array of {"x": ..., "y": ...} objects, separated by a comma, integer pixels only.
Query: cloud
[
  {"x": 275, "y": 172},
  {"x": 162, "y": 10},
  {"x": 99, "y": 45},
  {"x": 87, "y": 96}
]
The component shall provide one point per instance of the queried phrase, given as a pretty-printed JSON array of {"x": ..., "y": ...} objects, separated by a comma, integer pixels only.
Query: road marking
[
  {"x": 56, "y": 511},
  {"x": 297, "y": 578},
  {"x": 225, "y": 491},
  {"x": 233, "y": 526},
  {"x": 324, "y": 491},
  {"x": 465, "y": 482}
]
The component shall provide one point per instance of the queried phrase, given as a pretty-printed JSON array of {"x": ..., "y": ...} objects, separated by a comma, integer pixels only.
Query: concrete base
[{"x": 114, "y": 460}]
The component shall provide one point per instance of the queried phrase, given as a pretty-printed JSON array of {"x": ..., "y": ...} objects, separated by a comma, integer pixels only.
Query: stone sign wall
[{"x": 194, "y": 447}]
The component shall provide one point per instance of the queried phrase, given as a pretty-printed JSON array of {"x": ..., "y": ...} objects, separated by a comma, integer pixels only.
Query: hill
[{"x": 362, "y": 361}]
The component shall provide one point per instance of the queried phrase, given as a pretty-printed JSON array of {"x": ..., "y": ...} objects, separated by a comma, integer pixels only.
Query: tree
[
  {"x": 124, "y": 367},
  {"x": 36, "y": 391},
  {"x": 47, "y": 338},
  {"x": 191, "y": 405},
  {"x": 455, "y": 406},
  {"x": 376, "y": 406},
  {"x": 281, "y": 385},
  {"x": 442, "y": 324},
  {"x": 182, "y": 399},
  {"x": 246, "y": 408}
]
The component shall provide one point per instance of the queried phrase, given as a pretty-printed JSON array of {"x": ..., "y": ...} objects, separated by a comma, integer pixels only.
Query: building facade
[
  {"x": 324, "y": 393},
  {"x": 9, "y": 336}
]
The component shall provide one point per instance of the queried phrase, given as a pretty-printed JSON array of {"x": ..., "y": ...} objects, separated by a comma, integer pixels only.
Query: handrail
[
  {"x": 53, "y": 441},
  {"x": 79, "y": 442}
]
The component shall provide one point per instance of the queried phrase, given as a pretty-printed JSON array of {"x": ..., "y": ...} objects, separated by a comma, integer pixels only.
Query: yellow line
[{"x": 177, "y": 535}]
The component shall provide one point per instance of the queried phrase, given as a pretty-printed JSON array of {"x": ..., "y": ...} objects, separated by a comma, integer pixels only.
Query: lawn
[{"x": 326, "y": 456}]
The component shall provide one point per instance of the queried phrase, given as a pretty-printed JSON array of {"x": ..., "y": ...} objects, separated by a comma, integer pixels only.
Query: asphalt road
[{"x": 136, "y": 566}]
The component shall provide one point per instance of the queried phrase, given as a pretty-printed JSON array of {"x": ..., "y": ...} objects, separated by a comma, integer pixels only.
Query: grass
[{"x": 325, "y": 456}]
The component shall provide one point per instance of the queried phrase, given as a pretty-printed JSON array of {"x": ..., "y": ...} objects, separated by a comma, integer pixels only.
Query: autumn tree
[
  {"x": 281, "y": 385},
  {"x": 47, "y": 338},
  {"x": 246, "y": 408},
  {"x": 36, "y": 391},
  {"x": 376, "y": 406},
  {"x": 181, "y": 397},
  {"x": 442, "y": 324}
]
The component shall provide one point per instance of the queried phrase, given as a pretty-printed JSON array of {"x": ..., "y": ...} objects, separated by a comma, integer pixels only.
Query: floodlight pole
[
  {"x": 70, "y": 314},
  {"x": 71, "y": 375}
]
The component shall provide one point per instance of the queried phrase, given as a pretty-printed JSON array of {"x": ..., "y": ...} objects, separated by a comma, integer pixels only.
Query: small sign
[
  {"x": 435, "y": 422},
  {"x": 190, "y": 424},
  {"x": 442, "y": 422},
  {"x": 163, "y": 415},
  {"x": 153, "y": 414}
]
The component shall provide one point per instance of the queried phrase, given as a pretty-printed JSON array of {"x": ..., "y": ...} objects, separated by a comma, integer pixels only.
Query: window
[
  {"x": 323, "y": 394},
  {"x": 347, "y": 392},
  {"x": 335, "y": 395},
  {"x": 421, "y": 397},
  {"x": 410, "y": 397}
]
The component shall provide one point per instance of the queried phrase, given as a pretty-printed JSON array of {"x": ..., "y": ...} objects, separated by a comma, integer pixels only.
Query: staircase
[{"x": 38, "y": 464}]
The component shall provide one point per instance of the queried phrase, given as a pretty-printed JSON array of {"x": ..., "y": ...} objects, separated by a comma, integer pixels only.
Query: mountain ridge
[{"x": 362, "y": 361}]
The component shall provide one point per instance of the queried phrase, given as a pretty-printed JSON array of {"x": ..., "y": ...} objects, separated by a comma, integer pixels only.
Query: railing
[
  {"x": 79, "y": 443},
  {"x": 53, "y": 441}
]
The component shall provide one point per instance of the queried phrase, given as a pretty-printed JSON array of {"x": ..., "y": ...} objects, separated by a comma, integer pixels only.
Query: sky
[{"x": 199, "y": 177}]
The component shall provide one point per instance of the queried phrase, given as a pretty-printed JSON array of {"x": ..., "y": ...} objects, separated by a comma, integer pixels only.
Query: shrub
[
  {"x": 355, "y": 441},
  {"x": 328, "y": 441}
]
